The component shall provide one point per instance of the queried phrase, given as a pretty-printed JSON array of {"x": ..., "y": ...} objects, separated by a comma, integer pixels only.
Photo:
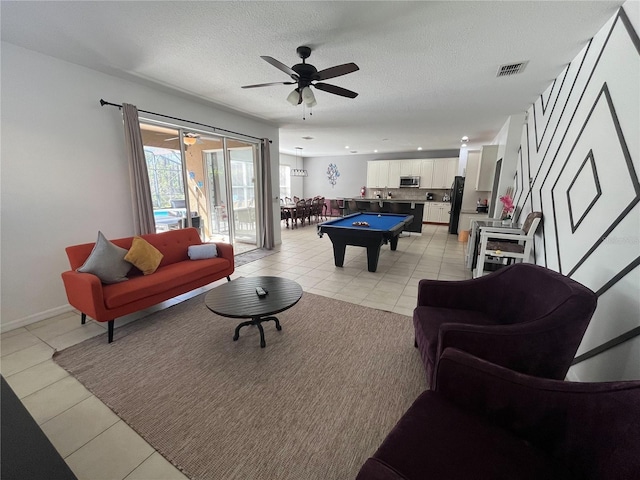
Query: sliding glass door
[
  {"x": 165, "y": 167},
  {"x": 231, "y": 188},
  {"x": 242, "y": 164},
  {"x": 203, "y": 180}
]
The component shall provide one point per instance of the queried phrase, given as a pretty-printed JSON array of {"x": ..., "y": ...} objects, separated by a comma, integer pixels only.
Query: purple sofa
[
  {"x": 524, "y": 317},
  {"x": 484, "y": 421}
]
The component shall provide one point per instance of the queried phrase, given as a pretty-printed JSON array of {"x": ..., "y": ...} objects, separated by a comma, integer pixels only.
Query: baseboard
[{"x": 36, "y": 317}]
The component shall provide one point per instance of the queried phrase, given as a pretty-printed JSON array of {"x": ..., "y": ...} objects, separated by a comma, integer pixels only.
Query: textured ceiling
[{"x": 427, "y": 69}]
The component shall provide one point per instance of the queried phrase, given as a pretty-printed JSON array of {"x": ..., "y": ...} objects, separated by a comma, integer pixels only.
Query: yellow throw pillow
[{"x": 144, "y": 256}]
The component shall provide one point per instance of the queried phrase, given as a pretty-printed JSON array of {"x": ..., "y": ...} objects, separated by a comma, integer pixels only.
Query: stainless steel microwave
[{"x": 409, "y": 182}]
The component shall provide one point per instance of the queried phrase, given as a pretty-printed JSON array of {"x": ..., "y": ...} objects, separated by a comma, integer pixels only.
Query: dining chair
[
  {"x": 316, "y": 207},
  {"x": 509, "y": 244},
  {"x": 300, "y": 211},
  {"x": 323, "y": 208},
  {"x": 362, "y": 206},
  {"x": 334, "y": 206},
  {"x": 308, "y": 209}
]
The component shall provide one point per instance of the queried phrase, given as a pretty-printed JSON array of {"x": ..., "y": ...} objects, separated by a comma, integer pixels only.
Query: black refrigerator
[{"x": 457, "y": 189}]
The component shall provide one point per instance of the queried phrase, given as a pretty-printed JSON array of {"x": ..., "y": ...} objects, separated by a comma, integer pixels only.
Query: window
[{"x": 285, "y": 181}]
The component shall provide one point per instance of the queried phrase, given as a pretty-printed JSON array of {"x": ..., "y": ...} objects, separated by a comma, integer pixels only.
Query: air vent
[
  {"x": 307, "y": 138},
  {"x": 511, "y": 69}
]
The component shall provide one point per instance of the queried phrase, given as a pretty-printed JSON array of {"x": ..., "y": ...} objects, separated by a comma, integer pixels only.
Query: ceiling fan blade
[
  {"x": 268, "y": 84},
  {"x": 343, "y": 92},
  {"x": 337, "y": 71},
  {"x": 172, "y": 138},
  {"x": 279, "y": 66}
]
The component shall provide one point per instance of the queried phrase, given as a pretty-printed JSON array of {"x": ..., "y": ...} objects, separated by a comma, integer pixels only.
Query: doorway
[
  {"x": 232, "y": 193},
  {"x": 204, "y": 181}
]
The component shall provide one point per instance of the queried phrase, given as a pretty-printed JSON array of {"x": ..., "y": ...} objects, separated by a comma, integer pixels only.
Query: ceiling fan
[
  {"x": 304, "y": 74},
  {"x": 188, "y": 138}
]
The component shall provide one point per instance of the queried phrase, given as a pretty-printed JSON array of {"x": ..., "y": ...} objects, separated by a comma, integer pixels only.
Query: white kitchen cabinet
[
  {"x": 436, "y": 212},
  {"x": 443, "y": 213},
  {"x": 426, "y": 173},
  {"x": 452, "y": 171},
  {"x": 439, "y": 178},
  {"x": 426, "y": 212},
  {"x": 378, "y": 174},
  {"x": 444, "y": 171},
  {"x": 394, "y": 172},
  {"x": 436, "y": 173},
  {"x": 486, "y": 168},
  {"x": 410, "y": 168},
  {"x": 372, "y": 174}
]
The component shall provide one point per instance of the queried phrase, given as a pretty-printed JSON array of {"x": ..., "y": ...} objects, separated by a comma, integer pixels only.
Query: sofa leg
[
  {"x": 228, "y": 278},
  {"x": 83, "y": 318},
  {"x": 110, "y": 330}
]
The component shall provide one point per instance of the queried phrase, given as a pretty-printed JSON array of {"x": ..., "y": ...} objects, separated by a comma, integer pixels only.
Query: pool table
[{"x": 382, "y": 228}]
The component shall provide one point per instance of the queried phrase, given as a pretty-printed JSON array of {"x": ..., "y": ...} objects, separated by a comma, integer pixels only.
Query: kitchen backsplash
[{"x": 408, "y": 193}]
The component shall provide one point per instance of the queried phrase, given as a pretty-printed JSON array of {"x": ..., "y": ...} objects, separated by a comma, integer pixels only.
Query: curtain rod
[{"x": 104, "y": 102}]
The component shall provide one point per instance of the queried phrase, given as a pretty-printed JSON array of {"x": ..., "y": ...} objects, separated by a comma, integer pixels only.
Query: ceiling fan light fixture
[
  {"x": 308, "y": 97},
  {"x": 294, "y": 97},
  {"x": 189, "y": 140}
]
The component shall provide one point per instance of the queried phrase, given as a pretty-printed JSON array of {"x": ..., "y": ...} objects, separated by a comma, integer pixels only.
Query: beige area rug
[{"x": 313, "y": 405}]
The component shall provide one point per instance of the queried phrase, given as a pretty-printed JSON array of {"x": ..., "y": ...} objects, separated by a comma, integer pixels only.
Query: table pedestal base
[{"x": 257, "y": 321}]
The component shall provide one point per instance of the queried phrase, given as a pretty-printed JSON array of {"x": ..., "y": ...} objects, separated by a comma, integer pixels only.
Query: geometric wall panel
[
  {"x": 598, "y": 162},
  {"x": 583, "y": 192},
  {"x": 580, "y": 144}
]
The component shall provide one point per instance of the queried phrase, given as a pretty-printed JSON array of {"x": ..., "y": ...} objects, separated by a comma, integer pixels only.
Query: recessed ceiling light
[
  {"x": 375, "y": 151},
  {"x": 419, "y": 148}
]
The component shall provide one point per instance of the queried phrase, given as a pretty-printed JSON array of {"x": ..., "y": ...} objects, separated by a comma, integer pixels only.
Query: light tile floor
[{"x": 96, "y": 444}]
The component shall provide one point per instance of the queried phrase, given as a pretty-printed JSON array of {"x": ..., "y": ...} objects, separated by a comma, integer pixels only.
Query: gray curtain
[
  {"x": 143, "y": 221},
  {"x": 267, "y": 195}
]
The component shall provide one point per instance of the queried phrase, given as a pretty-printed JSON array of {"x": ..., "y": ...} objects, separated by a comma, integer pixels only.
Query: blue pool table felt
[{"x": 376, "y": 221}]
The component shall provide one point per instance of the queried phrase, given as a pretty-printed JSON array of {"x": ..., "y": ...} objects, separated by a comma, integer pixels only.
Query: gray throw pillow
[{"x": 107, "y": 262}]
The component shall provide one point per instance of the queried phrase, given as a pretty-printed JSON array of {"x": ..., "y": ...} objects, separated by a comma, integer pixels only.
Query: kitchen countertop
[{"x": 399, "y": 200}]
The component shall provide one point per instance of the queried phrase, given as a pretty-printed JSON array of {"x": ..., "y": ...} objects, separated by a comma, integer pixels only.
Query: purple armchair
[
  {"x": 484, "y": 421},
  {"x": 524, "y": 317}
]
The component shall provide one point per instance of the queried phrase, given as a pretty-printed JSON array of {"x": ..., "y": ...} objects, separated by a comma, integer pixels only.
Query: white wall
[
  {"x": 508, "y": 141},
  {"x": 470, "y": 195},
  {"x": 353, "y": 171},
  {"x": 64, "y": 170},
  {"x": 581, "y": 149}
]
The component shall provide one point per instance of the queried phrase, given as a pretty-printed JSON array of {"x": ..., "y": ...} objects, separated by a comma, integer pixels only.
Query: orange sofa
[{"x": 176, "y": 274}]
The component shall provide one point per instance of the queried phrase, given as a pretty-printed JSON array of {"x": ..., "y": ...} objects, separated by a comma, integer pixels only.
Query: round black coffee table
[{"x": 238, "y": 299}]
